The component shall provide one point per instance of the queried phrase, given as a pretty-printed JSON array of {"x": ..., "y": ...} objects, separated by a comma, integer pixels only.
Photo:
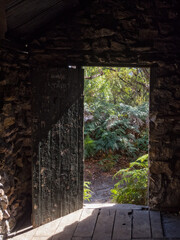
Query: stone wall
[
  {"x": 111, "y": 32},
  {"x": 15, "y": 129},
  {"x": 129, "y": 33},
  {"x": 98, "y": 32},
  {"x": 164, "y": 181}
]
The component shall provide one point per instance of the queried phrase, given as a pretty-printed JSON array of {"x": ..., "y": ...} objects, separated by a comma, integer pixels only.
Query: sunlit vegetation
[
  {"x": 132, "y": 188},
  {"x": 87, "y": 191},
  {"x": 116, "y": 115}
]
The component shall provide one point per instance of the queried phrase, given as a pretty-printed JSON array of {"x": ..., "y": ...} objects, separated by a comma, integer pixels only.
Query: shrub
[
  {"x": 109, "y": 162},
  {"x": 116, "y": 128},
  {"x": 132, "y": 188},
  {"x": 89, "y": 146}
]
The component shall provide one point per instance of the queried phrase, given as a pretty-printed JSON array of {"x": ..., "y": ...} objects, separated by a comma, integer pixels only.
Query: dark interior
[{"x": 39, "y": 36}]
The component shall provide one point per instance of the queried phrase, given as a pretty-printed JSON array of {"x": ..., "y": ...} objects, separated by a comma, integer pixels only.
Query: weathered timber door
[{"x": 57, "y": 167}]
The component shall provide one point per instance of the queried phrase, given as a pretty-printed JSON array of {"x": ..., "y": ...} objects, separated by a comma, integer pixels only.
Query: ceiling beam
[{"x": 3, "y": 21}]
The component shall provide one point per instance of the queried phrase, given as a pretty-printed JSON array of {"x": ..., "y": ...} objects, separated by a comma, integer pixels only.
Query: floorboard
[
  {"x": 81, "y": 238},
  {"x": 104, "y": 225},
  {"x": 108, "y": 223},
  {"x": 141, "y": 224},
  {"x": 67, "y": 226},
  {"x": 122, "y": 225},
  {"x": 49, "y": 230},
  {"x": 156, "y": 225},
  {"x": 85, "y": 227},
  {"x": 171, "y": 223}
]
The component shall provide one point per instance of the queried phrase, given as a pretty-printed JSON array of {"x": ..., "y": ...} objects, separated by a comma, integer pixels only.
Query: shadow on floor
[{"x": 108, "y": 221}]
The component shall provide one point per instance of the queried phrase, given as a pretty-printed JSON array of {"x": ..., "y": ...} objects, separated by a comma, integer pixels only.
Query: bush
[
  {"x": 115, "y": 113},
  {"x": 109, "y": 162},
  {"x": 89, "y": 146},
  {"x": 116, "y": 128},
  {"x": 132, "y": 188}
]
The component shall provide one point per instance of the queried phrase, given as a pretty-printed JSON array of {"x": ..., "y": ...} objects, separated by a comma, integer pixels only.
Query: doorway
[{"x": 116, "y": 113}]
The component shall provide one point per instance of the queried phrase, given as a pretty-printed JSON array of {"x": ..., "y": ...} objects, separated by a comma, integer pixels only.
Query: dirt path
[
  {"x": 101, "y": 181},
  {"x": 100, "y": 188}
]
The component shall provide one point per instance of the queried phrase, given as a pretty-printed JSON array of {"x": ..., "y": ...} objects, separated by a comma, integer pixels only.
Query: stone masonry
[
  {"x": 15, "y": 130},
  {"x": 98, "y": 32}
]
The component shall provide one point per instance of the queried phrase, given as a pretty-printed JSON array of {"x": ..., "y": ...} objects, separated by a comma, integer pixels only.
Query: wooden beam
[{"x": 3, "y": 22}]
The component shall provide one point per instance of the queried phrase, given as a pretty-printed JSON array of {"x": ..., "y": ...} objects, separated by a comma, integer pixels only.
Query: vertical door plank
[
  {"x": 73, "y": 116},
  {"x": 55, "y": 172},
  {"x": 81, "y": 139},
  {"x": 87, "y": 223},
  {"x": 57, "y": 143},
  {"x": 122, "y": 224},
  {"x": 141, "y": 224},
  {"x": 156, "y": 225},
  {"x": 45, "y": 169},
  {"x": 104, "y": 225},
  {"x": 65, "y": 162}
]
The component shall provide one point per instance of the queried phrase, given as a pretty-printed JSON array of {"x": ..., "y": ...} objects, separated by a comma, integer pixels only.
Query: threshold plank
[
  {"x": 156, "y": 225},
  {"x": 141, "y": 224},
  {"x": 104, "y": 225},
  {"x": 67, "y": 226},
  {"x": 86, "y": 225},
  {"x": 122, "y": 224}
]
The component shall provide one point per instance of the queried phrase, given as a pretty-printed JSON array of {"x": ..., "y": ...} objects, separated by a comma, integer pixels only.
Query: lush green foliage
[
  {"x": 132, "y": 188},
  {"x": 116, "y": 116},
  {"x": 87, "y": 191},
  {"x": 117, "y": 127},
  {"x": 116, "y": 85},
  {"x": 108, "y": 162},
  {"x": 116, "y": 111}
]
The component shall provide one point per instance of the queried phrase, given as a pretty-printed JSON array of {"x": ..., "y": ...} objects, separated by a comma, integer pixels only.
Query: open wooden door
[{"x": 57, "y": 166}]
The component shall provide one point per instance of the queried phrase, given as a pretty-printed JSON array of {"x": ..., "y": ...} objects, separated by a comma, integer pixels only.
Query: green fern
[
  {"x": 89, "y": 146},
  {"x": 132, "y": 188},
  {"x": 116, "y": 128},
  {"x": 108, "y": 162},
  {"x": 87, "y": 191}
]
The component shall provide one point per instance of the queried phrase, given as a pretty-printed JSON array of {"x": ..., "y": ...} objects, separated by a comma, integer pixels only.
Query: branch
[
  {"x": 136, "y": 75},
  {"x": 95, "y": 76}
]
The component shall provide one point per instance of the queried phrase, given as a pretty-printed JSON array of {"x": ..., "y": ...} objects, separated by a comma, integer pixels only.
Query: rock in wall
[
  {"x": 15, "y": 129},
  {"x": 164, "y": 170}
]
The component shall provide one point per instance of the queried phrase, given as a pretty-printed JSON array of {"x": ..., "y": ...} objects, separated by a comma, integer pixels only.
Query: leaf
[
  {"x": 132, "y": 188},
  {"x": 87, "y": 192}
]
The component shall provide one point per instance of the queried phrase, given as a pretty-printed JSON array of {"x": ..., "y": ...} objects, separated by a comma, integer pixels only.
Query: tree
[
  {"x": 116, "y": 85},
  {"x": 116, "y": 110}
]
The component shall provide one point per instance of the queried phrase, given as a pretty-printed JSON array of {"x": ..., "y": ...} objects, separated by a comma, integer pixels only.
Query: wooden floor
[{"x": 105, "y": 223}]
